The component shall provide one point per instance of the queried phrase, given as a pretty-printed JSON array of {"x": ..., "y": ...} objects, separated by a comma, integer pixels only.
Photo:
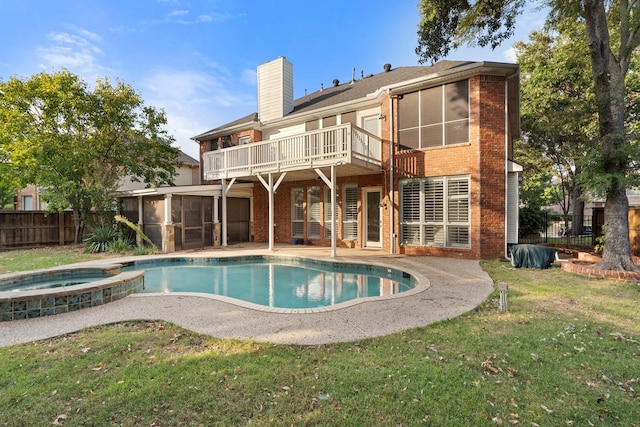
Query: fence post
[
  {"x": 61, "y": 228},
  {"x": 546, "y": 227}
]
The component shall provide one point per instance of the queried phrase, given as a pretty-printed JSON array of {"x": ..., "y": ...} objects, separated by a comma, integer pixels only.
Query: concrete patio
[{"x": 455, "y": 286}]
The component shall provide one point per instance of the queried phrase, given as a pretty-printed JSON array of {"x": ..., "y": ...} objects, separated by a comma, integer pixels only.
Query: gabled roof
[
  {"x": 186, "y": 159},
  {"x": 343, "y": 93}
]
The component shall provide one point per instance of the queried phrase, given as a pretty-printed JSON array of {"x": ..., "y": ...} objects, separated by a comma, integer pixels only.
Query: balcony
[{"x": 355, "y": 150}]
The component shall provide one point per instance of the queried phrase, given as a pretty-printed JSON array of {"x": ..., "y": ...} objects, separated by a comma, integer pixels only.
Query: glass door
[{"x": 373, "y": 219}]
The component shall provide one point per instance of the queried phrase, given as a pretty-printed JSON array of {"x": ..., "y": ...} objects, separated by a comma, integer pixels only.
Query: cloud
[
  {"x": 510, "y": 55},
  {"x": 202, "y": 18},
  {"x": 250, "y": 77},
  {"x": 178, "y": 12},
  {"x": 77, "y": 51},
  {"x": 195, "y": 101}
]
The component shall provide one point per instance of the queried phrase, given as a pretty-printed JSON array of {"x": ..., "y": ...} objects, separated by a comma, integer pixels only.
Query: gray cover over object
[{"x": 532, "y": 256}]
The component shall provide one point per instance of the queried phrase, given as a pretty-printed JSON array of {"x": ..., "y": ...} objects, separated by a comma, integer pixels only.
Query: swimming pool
[{"x": 273, "y": 281}]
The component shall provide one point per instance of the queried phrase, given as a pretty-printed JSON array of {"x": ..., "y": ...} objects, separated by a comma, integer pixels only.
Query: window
[
  {"x": 435, "y": 212},
  {"x": 226, "y": 141},
  {"x": 371, "y": 124},
  {"x": 297, "y": 212},
  {"x": 434, "y": 117},
  {"x": 244, "y": 140},
  {"x": 313, "y": 212},
  {"x": 350, "y": 212},
  {"x": 27, "y": 203}
]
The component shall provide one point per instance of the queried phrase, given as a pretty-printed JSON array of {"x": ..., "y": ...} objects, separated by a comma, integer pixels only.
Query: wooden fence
[{"x": 35, "y": 228}]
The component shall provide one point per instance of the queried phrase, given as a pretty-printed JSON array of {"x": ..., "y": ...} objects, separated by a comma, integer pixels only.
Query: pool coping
[
  {"x": 421, "y": 284},
  {"x": 456, "y": 286}
]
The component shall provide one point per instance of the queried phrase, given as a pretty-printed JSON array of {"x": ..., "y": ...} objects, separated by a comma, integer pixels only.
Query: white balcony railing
[{"x": 323, "y": 147}]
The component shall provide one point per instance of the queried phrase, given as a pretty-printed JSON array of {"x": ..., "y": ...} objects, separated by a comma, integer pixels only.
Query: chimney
[{"x": 275, "y": 89}]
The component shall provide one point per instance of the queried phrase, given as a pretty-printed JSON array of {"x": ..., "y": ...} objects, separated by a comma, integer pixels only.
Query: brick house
[{"x": 415, "y": 160}]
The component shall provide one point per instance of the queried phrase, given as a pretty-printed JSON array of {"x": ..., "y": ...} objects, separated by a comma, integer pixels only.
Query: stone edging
[{"x": 585, "y": 268}]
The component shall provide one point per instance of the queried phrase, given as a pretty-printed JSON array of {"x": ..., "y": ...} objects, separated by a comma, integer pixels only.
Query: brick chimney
[{"x": 275, "y": 89}]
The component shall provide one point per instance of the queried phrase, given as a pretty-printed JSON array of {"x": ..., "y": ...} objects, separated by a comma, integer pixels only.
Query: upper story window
[
  {"x": 434, "y": 117},
  {"x": 244, "y": 140}
]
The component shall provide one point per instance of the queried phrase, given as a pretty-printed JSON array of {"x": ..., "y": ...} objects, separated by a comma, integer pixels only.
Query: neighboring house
[
  {"x": 413, "y": 160},
  {"x": 187, "y": 174},
  {"x": 30, "y": 197}
]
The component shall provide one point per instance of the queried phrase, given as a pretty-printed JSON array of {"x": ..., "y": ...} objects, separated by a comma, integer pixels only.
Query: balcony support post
[
  {"x": 225, "y": 190},
  {"x": 271, "y": 189},
  {"x": 332, "y": 186}
]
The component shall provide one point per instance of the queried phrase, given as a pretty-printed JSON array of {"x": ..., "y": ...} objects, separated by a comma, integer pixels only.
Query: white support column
[
  {"x": 271, "y": 189},
  {"x": 332, "y": 186},
  {"x": 271, "y": 215},
  {"x": 215, "y": 209},
  {"x": 168, "y": 229},
  {"x": 216, "y": 222},
  {"x": 140, "y": 220},
  {"x": 225, "y": 190},
  {"x": 167, "y": 209},
  {"x": 334, "y": 205},
  {"x": 224, "y": 212}
]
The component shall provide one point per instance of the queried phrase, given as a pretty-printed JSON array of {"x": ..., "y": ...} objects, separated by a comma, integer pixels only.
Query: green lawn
[{"x": 567, "y": 353}]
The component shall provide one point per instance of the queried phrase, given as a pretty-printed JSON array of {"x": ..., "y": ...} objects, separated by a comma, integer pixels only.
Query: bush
[
  {"x": 532, "y": 221},
  {"x": 101, "y": 238},
  {"x": 144, "y": 250},
  {"x": 121, "y": 245}
]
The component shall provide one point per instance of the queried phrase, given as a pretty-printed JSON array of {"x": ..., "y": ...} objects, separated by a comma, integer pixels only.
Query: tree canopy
[
  {"x": 78, "y": 143},
  {"x": 554, "y": 66},
  {"x": 611, "y": 35}
]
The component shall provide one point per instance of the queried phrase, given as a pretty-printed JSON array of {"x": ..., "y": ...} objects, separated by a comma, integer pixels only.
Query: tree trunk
[
  {"x": 79, "y": 222},
  {"x": 577, "y": 226},
  {"x": 617, "y": 249},
  {"x": 609, "y": 75}
]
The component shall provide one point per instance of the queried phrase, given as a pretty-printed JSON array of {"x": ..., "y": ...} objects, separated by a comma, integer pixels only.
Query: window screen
[{"x": 434, "y": 117}]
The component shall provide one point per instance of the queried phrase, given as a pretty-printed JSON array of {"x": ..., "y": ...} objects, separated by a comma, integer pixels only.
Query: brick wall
[
  {"x": 283, "y": 208},
  {"x": 483, "y": 159}
]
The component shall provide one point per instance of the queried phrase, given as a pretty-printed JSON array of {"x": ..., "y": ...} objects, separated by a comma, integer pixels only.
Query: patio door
[{"x": 373, "y": 217}]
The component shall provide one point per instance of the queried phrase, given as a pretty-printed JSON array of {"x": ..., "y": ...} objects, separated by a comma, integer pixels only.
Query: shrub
[
  {"x": 532, "y": 221},
  {"x": 101, "y": 238},
  {"x": 121, "y": 245}
]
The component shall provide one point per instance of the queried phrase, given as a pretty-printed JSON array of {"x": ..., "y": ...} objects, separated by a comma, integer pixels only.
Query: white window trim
[{"x": 422, "y": 222}]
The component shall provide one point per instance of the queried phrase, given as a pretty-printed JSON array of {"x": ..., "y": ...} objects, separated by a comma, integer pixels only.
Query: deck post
[
  {"x": 224, "y": 212},
  {"x": 331, "y": 183}
]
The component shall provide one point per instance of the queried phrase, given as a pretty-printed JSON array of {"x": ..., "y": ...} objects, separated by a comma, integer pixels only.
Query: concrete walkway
[{"x": 454, "y": 287}]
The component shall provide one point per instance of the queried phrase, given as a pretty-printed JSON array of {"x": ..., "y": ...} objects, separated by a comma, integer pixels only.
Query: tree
[
  {"x": 448, "y": 24},
  {"x": 555, "y": 77},
  {"x": 78, "y": 143}
]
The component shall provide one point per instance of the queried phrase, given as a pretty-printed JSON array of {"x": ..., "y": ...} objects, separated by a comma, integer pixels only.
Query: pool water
[
  {"x": 53, "y": 282},
  {"x": 275, "y": 284}
]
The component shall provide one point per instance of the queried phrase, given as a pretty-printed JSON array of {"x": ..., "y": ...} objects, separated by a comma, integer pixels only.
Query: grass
[
  {"x": 567, "y": 353},
  {"x": 46, "y": 257}
]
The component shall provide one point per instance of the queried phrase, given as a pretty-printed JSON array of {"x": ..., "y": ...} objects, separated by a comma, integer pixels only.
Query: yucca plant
[{"x": 101, "y": 238}]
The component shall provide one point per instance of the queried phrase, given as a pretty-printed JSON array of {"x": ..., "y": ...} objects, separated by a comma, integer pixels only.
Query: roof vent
[
  {"x": 387, "y": 68},
  {"x": 336, "y": 82}
]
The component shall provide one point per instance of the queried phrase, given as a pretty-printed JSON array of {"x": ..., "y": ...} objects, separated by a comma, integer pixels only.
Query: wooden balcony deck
[{"x": 338, "y": 145}]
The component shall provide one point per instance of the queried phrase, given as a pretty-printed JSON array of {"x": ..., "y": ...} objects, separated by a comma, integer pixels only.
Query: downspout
[
  {"x": 506, "y": 167},
  {"x": 392, "y": 236}
]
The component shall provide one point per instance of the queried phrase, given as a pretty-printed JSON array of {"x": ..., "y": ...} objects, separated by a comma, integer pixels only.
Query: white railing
[{"x": 318, "y": 148}]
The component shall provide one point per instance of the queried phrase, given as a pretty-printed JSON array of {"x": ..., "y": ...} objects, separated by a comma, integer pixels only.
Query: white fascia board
[{"x": 452, "y": 74}]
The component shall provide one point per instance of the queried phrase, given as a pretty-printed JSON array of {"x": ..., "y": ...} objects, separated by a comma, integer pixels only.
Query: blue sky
[{"x": 196, "y": 59}]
